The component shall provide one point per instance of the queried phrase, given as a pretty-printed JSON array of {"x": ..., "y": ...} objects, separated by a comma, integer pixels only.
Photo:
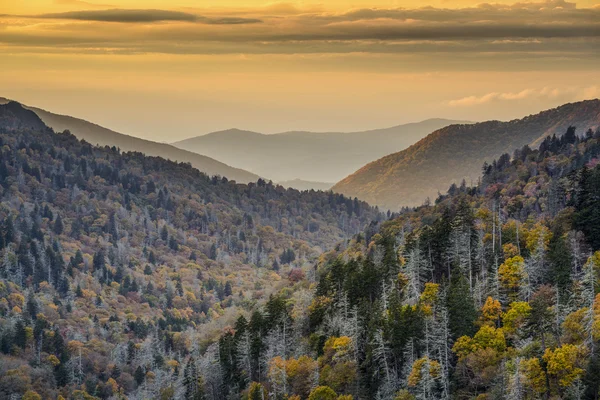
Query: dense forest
[
  {"x": 130, "y": 277},
  {"x": 115, "y": 267},
  {"x": 490, "y": 293}
]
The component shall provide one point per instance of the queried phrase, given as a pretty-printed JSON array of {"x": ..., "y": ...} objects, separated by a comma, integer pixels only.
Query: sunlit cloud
[
  {"x": 546, "y": 93},
  {"x": 537, "y": 26}
]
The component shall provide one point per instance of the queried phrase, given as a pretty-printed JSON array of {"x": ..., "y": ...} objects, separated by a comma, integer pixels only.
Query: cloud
[
  {"x": 126, "y": 16},
  {"x": 546, "y": 93},
  {"x": 144, "y": 16},
  {"x": 554, "y": 28}
]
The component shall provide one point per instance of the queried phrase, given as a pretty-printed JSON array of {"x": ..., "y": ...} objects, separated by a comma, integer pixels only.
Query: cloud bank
[{"x": 540, "y": 27}]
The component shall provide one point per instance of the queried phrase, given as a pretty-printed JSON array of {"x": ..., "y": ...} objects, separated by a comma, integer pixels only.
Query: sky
[{"x": 167, "y": 70}]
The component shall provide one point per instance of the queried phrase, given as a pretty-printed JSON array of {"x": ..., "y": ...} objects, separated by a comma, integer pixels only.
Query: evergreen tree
[
  {"x": 587, "y": 217},
  {"x": 58, "y": 225},
  {"x": 192, "y": 382},
  {"x": 139, "y": 375},
  {"x": 461, "y": 308}
]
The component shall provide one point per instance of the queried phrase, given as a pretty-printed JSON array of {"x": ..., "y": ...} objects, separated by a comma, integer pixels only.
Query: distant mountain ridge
[
  {"x": 96, "y": 134},
  {"x": 458, "y": 152},
  {"x": 308, "y": 156}
]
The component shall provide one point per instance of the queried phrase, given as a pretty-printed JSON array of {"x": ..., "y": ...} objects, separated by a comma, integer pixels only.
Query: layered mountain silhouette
[
  {"x": 96, "y": 134},
  {"x": 307, "y": 156},
  {"x": 457, "y": 152}
]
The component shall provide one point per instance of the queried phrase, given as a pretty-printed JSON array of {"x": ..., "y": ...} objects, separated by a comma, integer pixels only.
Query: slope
[
  {"x": 115, "y": 264},
  {"x": 457, "y": 152},
  {"x": 309, "y": 156},
  {"x": 96, "y": 134}
]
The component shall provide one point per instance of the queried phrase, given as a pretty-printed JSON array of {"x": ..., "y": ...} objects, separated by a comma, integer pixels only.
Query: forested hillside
[
  {"x": 490, "y": 293},
  {"x": 131, "y": 277},
  {"x": 457, "y": 152},
  {"x": 98, "y": 135},
  {"x": 117, "y": 270}
]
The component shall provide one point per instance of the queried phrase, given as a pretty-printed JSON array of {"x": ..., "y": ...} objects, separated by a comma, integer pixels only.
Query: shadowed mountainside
[
  {"x": 96, "y": 134},
  {"x": 457, "y": 152}
]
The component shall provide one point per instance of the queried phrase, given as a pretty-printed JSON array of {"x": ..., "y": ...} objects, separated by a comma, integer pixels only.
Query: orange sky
[{"x": 166, "y": 70}]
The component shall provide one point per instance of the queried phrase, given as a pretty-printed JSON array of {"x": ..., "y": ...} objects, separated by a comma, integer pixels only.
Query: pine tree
[
  {"x": 192, "y": 382},
  {"x": 461, "y": 309},
  {"x": 139, "y": 375},
  {"x": 58, "y": 225}
]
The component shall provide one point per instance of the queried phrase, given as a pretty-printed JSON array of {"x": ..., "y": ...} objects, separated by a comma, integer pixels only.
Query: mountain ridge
[
  {"x": 97, "y": 134},
  {"x": 308, "y": 156},
  {"x": 456, "y": 152}
]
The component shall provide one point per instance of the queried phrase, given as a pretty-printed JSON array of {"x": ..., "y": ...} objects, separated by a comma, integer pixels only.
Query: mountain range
[
  {"x": 124, "y": 276},
  {"x": 457, "y": 152},
  {"x": 96, "y": 134},
  {"x": 308, "y": 156}
]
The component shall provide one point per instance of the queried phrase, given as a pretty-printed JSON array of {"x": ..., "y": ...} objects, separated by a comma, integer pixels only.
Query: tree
[
  {"x": 58, "y": 225},
  {"x": 541, "y": 317},
  {"x": 561, "y": 261},
  {"x": 491, "y": 312},
  {"x": 516, "y": 316},
  {"x": 512, "y": 275},
  {"x": 213, "y": 252},
  {"x": 164, "y": 233},
  {"x": 337, "y": 365},
  {"x": 192, "y": 382},
  {"x": 257, "y": 392},
  {"x": 32, "y": 306},
  {"x": 322, "y": 393},
  {"x": 563, "y": 364},
  {"x": 461, "y": 308},
  {"x": 139, "y": 375},
  {"x": 31, "y": 395},
  {"x": 587, "y": 217}
]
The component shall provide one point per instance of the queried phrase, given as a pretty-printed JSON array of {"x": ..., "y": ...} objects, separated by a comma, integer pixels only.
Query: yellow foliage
[
  {"x": 596, "y": 322},
  {"x": 562, "y": 363},
  {"x": 29, "y": 332},
  {"x": 491, "y": 312},
  {"x": 337, "y": 348},
  {"x": 574, "y": 326},
  {"x": 52, "y": 359},
  {"x": 82, "y": 395},
  {"x": 31, "y": 395},
  {"x": 338, "y": 369},
  {"x": 89, "y": 294},
  {"x": 16, "y": 310},
  {"x": 511, "y": 274},
  {"x": 487, "y": 337},
  {"x": 74, "y": 346},
  {"x": 419, "y": 367},
  {"x": 535, "y": 377},
  {"x": 404, "y": 395},
  {"x": 322, "y": 393},
  {"x": 256, "y": 391},
  {"x": 114, "y": 386},
  {"x": 510, "y": 250},
  {"x": 516, "y": 315},
  {"x": 16, "y": 300},
  {"x": 429, "y": 297},
  {"x": 319, "y": 303},
  {"x": 533, "y": 237}
]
